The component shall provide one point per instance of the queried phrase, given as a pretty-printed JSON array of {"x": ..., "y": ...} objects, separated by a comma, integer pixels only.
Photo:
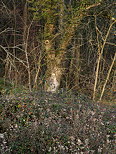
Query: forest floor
[{"x": 62, "y": 123}]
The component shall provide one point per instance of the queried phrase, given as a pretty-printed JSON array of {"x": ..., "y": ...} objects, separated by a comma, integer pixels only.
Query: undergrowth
[{"x": 45, "y": 123}]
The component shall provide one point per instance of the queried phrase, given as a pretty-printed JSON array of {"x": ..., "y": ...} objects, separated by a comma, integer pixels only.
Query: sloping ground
[{"x": 44, "y": 123}]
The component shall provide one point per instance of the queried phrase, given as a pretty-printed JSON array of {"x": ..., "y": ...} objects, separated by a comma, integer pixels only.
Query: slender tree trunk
[
  {"x": 100, "y": 52},
  {"x": 107, "y": 78},
  {"x": 26, "y": 31}
]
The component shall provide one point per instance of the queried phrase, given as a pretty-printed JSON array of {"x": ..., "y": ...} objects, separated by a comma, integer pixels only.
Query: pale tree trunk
[
  {"x": 107, "y": 78},
  {"x": 26, "y": 31},
  {"x": 100, "y": 53}
]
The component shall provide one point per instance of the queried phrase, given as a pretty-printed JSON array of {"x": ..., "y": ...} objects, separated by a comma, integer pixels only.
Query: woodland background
[
  {"x": 61, "y": 46},
  {"x": 89, "y": 60}
]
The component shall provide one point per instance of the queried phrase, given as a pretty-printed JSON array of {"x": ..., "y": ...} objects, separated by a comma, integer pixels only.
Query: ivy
[{"x": 50, "y": 9}]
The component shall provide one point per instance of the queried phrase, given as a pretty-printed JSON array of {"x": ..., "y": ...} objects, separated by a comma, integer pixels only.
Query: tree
[
  {"x": 57, "y": 42},
  {"x": 61, "y": 19}
]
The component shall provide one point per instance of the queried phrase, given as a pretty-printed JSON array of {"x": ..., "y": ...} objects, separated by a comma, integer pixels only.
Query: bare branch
[
  {"x": 4, "y": 48},
  {"x": 93, "y": 5}
]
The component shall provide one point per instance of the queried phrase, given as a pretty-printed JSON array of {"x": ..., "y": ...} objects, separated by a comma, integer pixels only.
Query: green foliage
[
  {"x": 44, "y": 9},
  {"x": 46, "y": 123},
  {"x": 50, "y": 9}
]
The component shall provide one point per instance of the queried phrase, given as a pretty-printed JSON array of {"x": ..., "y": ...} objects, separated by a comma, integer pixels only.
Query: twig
[
  {"x": 93, "y": 5},
  {"x": 4, "y": 48}
]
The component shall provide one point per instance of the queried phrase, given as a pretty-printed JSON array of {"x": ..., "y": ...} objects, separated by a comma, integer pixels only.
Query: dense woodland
[
  {"x": 57, "y": 77},
  {"x": 58, "y": 44}
]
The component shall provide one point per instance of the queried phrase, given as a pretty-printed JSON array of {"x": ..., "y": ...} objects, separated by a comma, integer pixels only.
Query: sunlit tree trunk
[
  {"x": 54, "y": 60},
  {"x": 53, "y": 72}
]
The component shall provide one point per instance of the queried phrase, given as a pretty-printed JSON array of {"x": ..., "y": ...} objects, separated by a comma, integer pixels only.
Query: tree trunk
[{"x": 55, "y": 57}]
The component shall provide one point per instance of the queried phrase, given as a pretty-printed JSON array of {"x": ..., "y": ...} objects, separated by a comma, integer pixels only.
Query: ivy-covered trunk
[
  {"x": 55, "y": 57},
  {"x": 63, "y": 29},
  {"x": 53, "y": 73},
  {"x": 60, "y": 19}
]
